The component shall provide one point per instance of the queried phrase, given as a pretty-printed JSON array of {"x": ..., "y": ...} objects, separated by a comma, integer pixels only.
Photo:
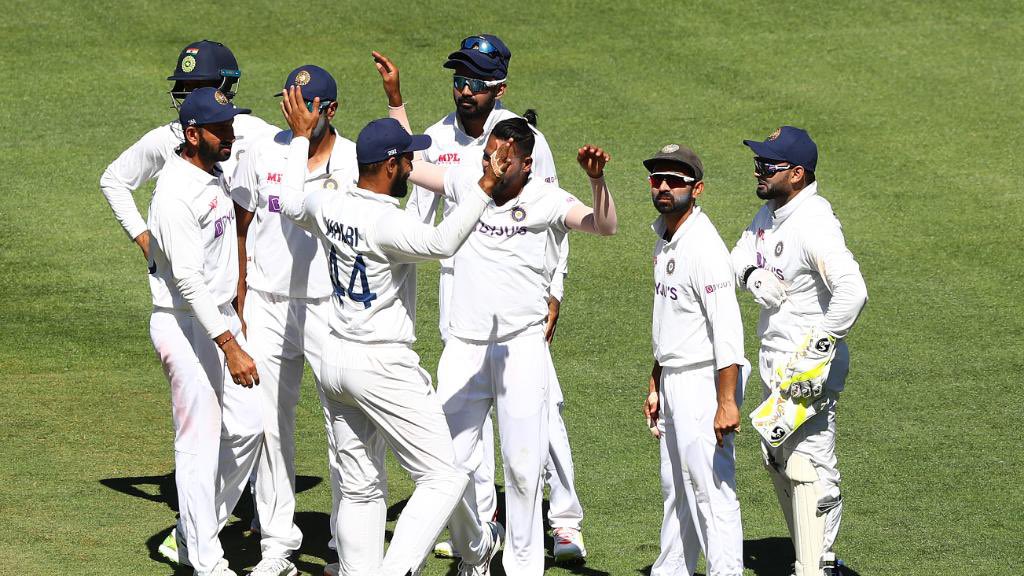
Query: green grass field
[{"x": 915, "y": 108}]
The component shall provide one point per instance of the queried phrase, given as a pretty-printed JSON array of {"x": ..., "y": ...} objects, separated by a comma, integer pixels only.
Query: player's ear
[
  {"x": 192, "y": 135},
  {"x": 698, "y": 189},
  {"x": 500, "y": 91},
  {"x": 527, "y": 164},
  {"x": 331, "y": 111},
  {"x": 796, "y": 174}
]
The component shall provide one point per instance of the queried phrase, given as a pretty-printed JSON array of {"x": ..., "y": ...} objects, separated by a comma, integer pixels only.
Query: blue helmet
[{"x": 205, "y": 60}]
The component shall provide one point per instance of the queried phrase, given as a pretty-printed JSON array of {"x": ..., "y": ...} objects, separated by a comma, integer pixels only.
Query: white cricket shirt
[
  {"x": 193, "y": 252},
  {"x": 142, "y": 162},
  {"x": 503, "y": 271},
  {"x": 372, "y": 249},
  {"x": 696, "y": 316},
  {"x": 451, "y": 146},
  {"x": 283, "y": 258},
  {"x": 802, "y": 244}
]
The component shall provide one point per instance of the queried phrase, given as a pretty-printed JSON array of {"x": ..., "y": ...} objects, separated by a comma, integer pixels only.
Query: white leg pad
[
  {"x": 783, "y": 489},
  {"x": 808, "y": 524}
]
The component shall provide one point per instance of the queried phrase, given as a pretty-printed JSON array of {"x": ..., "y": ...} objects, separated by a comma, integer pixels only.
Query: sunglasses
[
  {"x": 481, "y": 45},
  {"x": 673, "y": 179},
  {"x": 476, "y": 85},
  {"x": 767, "y": 169},
  {"x": 324, "y": 104}
]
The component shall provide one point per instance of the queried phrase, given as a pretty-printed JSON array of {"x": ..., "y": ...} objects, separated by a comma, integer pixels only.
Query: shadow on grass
[{"x": 768, "y": 557}]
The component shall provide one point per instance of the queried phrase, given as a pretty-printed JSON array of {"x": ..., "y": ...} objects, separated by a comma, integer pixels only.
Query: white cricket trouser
[
  {"x": 698, "y": 478},
  {"x": 377, "y": 395},
  {"x": 815, "y": 439},
  {"x": 564, "y": 508},
  {"x": 283, "y": 332},
  {"x": 512, "y": 375},
  {"x": 206, "y": 405}
]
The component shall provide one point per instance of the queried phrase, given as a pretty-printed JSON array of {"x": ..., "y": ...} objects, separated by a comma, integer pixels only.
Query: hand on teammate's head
[{"x": 300, "y": 118}]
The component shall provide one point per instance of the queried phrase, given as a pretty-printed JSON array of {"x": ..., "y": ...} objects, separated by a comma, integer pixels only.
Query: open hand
[
  {"x": 592, "y": 159},
  {"x": 300, "y": 119},
  {"x": 389, "y": 74},
  {"x": 496, "y": 165}
]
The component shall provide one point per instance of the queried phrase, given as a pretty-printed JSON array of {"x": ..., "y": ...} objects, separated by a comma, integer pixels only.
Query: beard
[
  {"x": 676, "y": 206},
  {"x": 767, "y": 191},
  {"x": 211, "y": 154},
  {"x": 399, "y": 186},
  {"x": 467, "y": 108}
]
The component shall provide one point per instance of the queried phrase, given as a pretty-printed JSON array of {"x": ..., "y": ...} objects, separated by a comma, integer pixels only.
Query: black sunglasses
[
  {"x": 673, "y": 179},
  {"x": 765, "y": 168}
]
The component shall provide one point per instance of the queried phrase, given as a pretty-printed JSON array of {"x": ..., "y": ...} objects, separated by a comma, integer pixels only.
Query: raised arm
[
  {"x": 296, "y": 204},
  {"x": 601, "y": 219}
]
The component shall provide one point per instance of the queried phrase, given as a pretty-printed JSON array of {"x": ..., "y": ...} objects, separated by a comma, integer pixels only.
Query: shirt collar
[
  {"x": 197, "y": 173},
  {"x": 336, "y": 159},
  {"x": 780, "y": 215},
  {"x": 659, "y": 226},
  {"x": 371, "y": 195}
]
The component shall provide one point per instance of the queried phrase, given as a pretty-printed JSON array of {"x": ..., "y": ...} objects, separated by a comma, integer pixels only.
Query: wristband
[
  {"x": 224, "y": 341},
  {"x": 746, "y": 274}
]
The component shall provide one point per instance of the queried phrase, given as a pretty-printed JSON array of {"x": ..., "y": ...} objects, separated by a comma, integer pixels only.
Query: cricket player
[
  {"x": 193, "y": 264},
  {"x": 496, "y": 354},
  {"x": 794, "y": 261},
  {"x": 203, "y": 63},
  {"x": 480, "y": 75},
  {"x": 696, "y": 385},
  {"x": 377, "y": 393},
  {"x": 284, "y": 297}
]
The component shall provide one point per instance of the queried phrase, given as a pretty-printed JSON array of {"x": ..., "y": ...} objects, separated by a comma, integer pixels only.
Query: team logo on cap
[
  {"x": 778, "y": 249},
  {"x": 518, "y": 214},
  {"x": 302, "y": 78},
  {"x": 671, "y": 266},
  {"x": 330, "y": 184},
  {"x": 670, "y": 149},
  {"x": 188, "y": 63},
  {"x": 775, "y": 134},
  {"x": 220, "y": 98}
]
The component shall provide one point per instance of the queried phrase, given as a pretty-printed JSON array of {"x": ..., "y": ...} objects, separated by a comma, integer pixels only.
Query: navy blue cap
[
  {"x": 384, "y": 138},
  {"x": 314, "y": 81},
  {"x": 788, "y": 144},
  {"x": 205, "y": 60},
  {"x": 207, "y": 105},
  {"x": 485, "y": 55}
]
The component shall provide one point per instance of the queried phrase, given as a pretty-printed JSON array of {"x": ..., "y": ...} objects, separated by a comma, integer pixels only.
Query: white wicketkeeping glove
[
  {"x": 805, "y": 374},
  {"x": 767, "y": 289}
]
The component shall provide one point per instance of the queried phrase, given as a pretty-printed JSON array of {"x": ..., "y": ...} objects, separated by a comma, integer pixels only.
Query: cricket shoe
[
  {"x": 332, "y": 569},
  {"x": 221, "y": 569},
  {"x": 274, "y": 567},
  {"x": 569, "y": 545},
  {"x": 444, "y": 549},
  {"x": 484, "y": 567},
  {"x": 173, "y": 549}
]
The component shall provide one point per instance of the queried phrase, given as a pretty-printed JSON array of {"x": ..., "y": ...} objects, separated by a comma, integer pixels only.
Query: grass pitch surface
[{"x": 915, "y": 113}]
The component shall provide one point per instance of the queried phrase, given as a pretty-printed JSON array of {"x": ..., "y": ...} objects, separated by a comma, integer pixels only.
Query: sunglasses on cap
[
  {"x": 765, "y": 168},
  {"x": 323, "y": 105},
  {"x": 475, "y": 84},
  {"x": 673, "y": 179},
  {"x": 481, "y": 45}
]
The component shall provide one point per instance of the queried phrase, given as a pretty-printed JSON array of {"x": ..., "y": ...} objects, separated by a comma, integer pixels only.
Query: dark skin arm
[
  {"x": 727, "y": 417},
  {"x": 242, "y": 220},
  {"x": 651, "y": 407},
  {"x": 554, "y": 306}
]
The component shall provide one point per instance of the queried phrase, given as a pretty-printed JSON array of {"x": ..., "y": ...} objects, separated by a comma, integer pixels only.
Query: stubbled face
[
  {"x": 215, "y": 141},
  {"x": 776, "y": 185},
  {"x": 470, "y": 104},
  {"x": 515, "y": 176},
  {"x": 400, "y": 183},
  {"x": 673, "y": 195}
]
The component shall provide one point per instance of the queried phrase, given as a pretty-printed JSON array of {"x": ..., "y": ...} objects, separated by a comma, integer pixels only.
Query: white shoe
[
  {"x": 569, "y": 545},
  {"x": 173, "y": 549},
  {"x": 444, "y": 549},
  {"x": 274, "y": 567},
  {"x": 332, "y": 569},
  {"x": 484, "y": 568},
  {"x": 221, "y": 569}
]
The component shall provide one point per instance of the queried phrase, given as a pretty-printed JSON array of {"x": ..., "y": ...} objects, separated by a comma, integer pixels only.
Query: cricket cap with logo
[
  {"x": 207, "y": 105},
  {"x": 485, "y": 56},
  {"x": 680, "y": 155},
  {"x": 788, "y": 144},
  {"x": 385, "y": 138},
  {"x": 205, "y": 60},
  {"x": 315, "y": 83}
]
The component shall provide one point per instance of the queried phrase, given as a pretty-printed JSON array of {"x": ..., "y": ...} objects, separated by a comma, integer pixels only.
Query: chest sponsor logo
[
  {"x": 778, "y": 248},
  {"x": 221, "y": 224},
  {"x": 671, "y": 266},
  {"x": 274, "y": 203},
  {"x": 499, "y": 231},
  {"x": 448, "y": 158},
  {"x": 762, "y": 262},
  {"x": 518, "y": 214},
  {"x": 710, "y": 288},
  {"x": 551, "y": 179},
  {"x": 274, "y": 177},
  {"x": 339, "y": 231},
  {"x": 666, "y": 291}
]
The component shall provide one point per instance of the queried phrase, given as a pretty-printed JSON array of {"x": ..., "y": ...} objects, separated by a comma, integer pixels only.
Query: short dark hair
[
  {"x": 808, "y": 177},
  {"x": 372, "y": 168},
  {"x": 519, "y": 130}
]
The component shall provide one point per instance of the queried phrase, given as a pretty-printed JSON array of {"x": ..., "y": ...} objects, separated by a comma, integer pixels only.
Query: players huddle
[{"x": 269, "y": 248}]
